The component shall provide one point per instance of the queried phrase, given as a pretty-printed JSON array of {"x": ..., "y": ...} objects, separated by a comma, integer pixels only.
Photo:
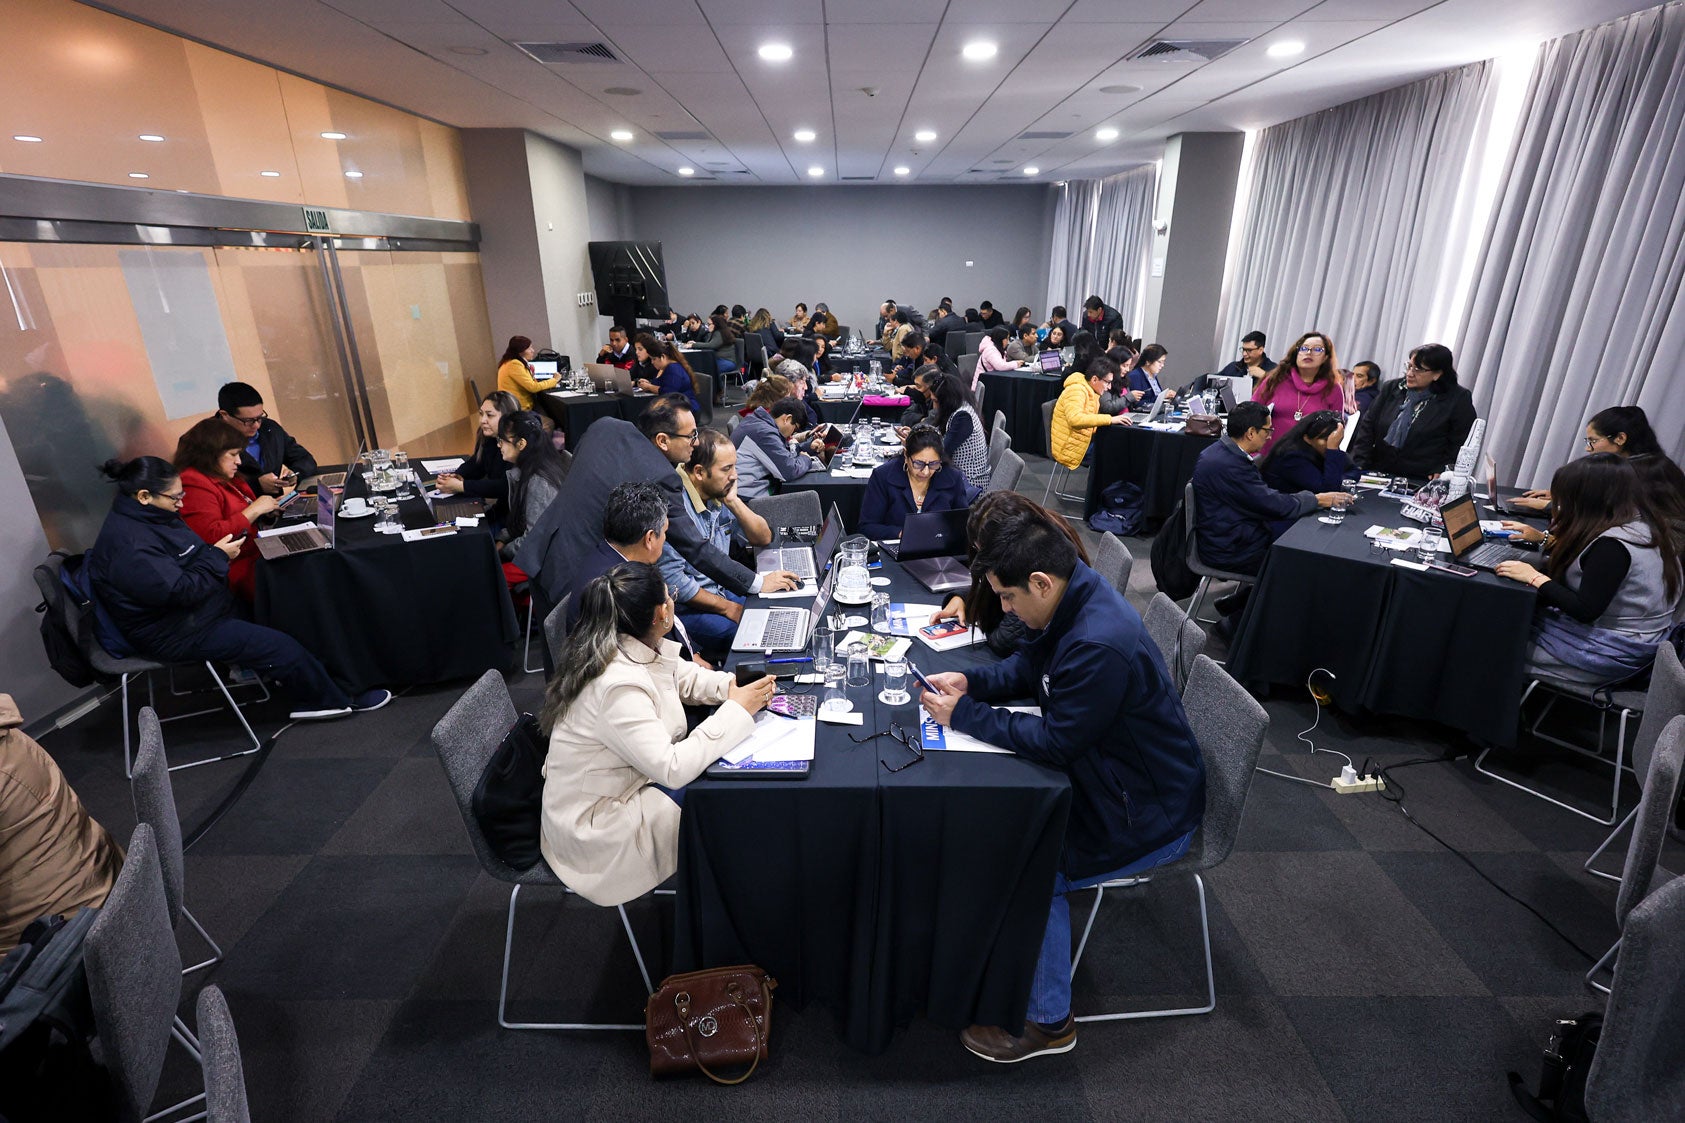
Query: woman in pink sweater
[
  {"x": 989, "y": 356},
  {"x": 1306, "y": 380}
]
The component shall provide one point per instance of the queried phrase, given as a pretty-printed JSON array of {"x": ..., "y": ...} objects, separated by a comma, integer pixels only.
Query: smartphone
[
  {"x": 1453, "y": 567},
  {"x": 282, "y": 505},
  {"x": 918, "y": 674}
]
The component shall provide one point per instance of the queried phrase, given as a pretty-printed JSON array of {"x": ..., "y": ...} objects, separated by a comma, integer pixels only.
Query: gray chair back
[
  {"x": 1655, "y": 812},
  {"x": 155, "y": 805},
  {"x": 1007, "y": 472},
  {"x": 998, "y": 424},
  {"x": 982, "y": 392},
  {"x": 999, "y": 441},
  {"x": 1047, "y": 425},
  {"x": 1114, "y": 562},
  {"x": 789, "y": 508},
  {"x": 556, "y": 629},
  {"x": 1229, "y": 725},
  {"x": 1638, "y": 1072},
  {"x": 967, "y": 364},
  {"x": 134, "y": 974},
  {"x": 704, "y": 386},
  {"x": 1664, "y": 701},
  {"x": 739, "y": 353},
  {"x": 465, "y": 739},
  {"x": 225, "y": 1076},
  {"x": 1179, "y": 639}
]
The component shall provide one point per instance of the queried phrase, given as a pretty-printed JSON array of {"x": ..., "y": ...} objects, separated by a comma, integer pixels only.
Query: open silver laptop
[
  {"x": 804, "y": 561},
  {"x": 782, "y": 629},
  {"x": 302, "y": 539},
  {"x": 337, "y": 479}
]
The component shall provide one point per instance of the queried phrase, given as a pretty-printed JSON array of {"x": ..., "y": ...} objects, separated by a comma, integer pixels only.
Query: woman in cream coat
[{"x": 619, "y": 754}]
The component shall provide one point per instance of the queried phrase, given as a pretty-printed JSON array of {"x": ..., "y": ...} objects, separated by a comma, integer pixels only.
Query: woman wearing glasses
[
  {"x": 482, "y": 474},
  {"x": 1418, "y": 422},
  {"x": 162, "y": 593},
  {"x": 216, "y": 500},
  {"x": 919, "y": 480},
  {"x": 1625, "y": 431},
  {"x": 619, "y": 754},
  {"x": 535, "y": 476},
  {"x": 1306, "y": 380}
]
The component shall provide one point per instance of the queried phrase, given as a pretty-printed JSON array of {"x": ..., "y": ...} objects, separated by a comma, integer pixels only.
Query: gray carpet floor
[{"x": 1365, "y": 972}]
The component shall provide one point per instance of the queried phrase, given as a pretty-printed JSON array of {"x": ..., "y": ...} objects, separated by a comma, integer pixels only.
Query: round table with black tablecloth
[
  {"x": 883, "y": 896},
  {"x": 1159, "y": 463},
  {"x": 573, "y": 413},
  {"x": 1019, "y": 395},
  {"x": 1421, "y": 644}
]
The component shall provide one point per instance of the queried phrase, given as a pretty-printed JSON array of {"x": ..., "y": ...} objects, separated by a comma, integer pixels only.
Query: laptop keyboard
[
  {"x": 799, "y": 562},
  {"x": 1491, "y": 553},
  {"x": 299, "y": 540},
  {"x": 780, "y": 630}
]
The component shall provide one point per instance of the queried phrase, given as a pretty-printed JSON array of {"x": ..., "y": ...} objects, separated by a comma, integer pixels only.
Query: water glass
[
  {"x": 895, "y": 683},
  {"x": 1337, "y": 512},
  {"x": 835, "y": 699},
  {"x": 824, "y": 648},
  {"x": 880, "y": 613},
  {"x": 859, "y": 666},
  {"x": 1426, "y": 546}
]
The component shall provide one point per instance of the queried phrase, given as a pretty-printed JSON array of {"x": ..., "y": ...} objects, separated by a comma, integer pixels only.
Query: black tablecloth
[
  {"x": 1159, "y": 463},
  {"x": 846, "y": 492},
  {"x": 1020, "y": 395},
  {"x": 379, "y": 611},
  {"x": 573, "y": 415},
  {"x": 1399, "y": 641},
  {"x": 880, "y": 895},
  {"x": 842, "y": 410}
]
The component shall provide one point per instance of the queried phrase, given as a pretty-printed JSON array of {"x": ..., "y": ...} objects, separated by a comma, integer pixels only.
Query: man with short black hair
[
  {"x": 912, "y": 357},
  {"x": 1057, "y": 319},
  {"x": 1100, "y": 317},
  {"x": 886, "y": 313},
  {"x": 1253, "y": 363},
  {"x": 634, "y": 526},
  {"x": 1366, "y": 377},
  {"x": 1110, "y": 719},
  {"x": 619, "y": 351},
  {"x": 939, "y": 330},
  {"x": 271, "y": 460},
  {"x": 763, "y": 446},
  {"x": 989, "y": 316}
]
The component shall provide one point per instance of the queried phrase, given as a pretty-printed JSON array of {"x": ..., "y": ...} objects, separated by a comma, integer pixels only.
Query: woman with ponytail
[{"x": 619, "y": 754}]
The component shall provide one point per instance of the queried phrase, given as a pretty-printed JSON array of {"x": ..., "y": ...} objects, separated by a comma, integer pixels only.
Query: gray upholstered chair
[
  {"x": 789, "y": 508},
  {"x": 1179, "y": 639},
  {"x": 225, "y": 1076},
  {"x": 1114, "y": 562},
  {"x": 999, "y": 441},
  {"x": 703, "y": 386},
  {"x": 1059, "y": 477},
  {"x": 1207, "y": 573},
  {"x": 155, "y": 805},
  {"x": 1229, "y": 725},
  {"x": 1649, "y": 830},
  {"x": 1007, "y": 472},
  {"x": 967, "y": 364},
  {"x": 556, "y": 629},
  {"x": 1638, "y": 1073},
  {"x": 465, "y": 739},
  {"x": 1664, "y": 701}
]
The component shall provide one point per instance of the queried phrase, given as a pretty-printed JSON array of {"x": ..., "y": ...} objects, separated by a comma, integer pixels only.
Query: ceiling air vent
[
  {"x": 683, "y": 134},
  {"x": 1042, "y": 136},
  {"x": 857, "y": 178},
  {"x": 1186, "y": 50},
  {"x": 552, "y": 53}
]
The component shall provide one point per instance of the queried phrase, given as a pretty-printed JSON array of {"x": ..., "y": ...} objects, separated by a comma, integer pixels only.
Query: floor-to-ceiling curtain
[
  {"x": 1353, "y": 218},
  {"x": 1102, "y": 230},
  {"x": 1576, "y": 301}
]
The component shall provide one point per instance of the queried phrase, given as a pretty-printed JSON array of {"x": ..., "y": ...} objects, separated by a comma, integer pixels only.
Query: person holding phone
[
  {"x": 620, "y": 754},
  {"x": 217, "y": 502},
  {"x": 271, "y": 460},
  {"x": 1110, "y": 719}
]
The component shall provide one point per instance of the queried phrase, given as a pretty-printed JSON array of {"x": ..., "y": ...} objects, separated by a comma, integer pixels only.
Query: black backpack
[
  {"x": 62, "y": 614},
  {"x": 1119, "y": 511},
  {"x": 508, "y": 802},
  {"x": 1169, "y": 558},
  {"x": 1562, "y": 1077},
  {"x": 47, "y": 1066}
]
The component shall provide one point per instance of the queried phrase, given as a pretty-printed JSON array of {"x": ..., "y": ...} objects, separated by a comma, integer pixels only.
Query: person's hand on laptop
[
  {"x": 780, "y": 581},
  {"x": 1518, "y": 571},
  {"x": 1533, "y": 500},
  {"x": 230, "y": 544},
  {"x": 448, "y": 482},
  {"x": 1122, "y": 419}
]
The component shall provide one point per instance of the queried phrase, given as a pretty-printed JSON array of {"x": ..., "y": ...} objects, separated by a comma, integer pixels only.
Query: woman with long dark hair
[
  {"x": 1308, "y": 456},
  {"x": 722, "y": 340},
  {"x": 1306, "y": 379},
  {"x": 961, "y": 424},
  {"x": 1085, "y": 348},
  {"x": 1626, "y": 432},
  {"x": 514, "y": 371},
  {"x": 1418, "y": 422},
  {"x": 619, "y": 755},
  {"x": 483, "y": 474},
  {"x": 217, "y": 501},
  {"x": 920, "y": 479},
  {"x": 1611, "y": 583},
  {"x": 991, "y": 355},
  {"x": 668, "y": 373},
  {"x": 534, "y": 471}
]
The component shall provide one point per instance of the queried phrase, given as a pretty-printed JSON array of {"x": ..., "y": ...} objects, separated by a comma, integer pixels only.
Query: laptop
[
  {"x": 1500, "y": 505},
  {"x": 804, "y": 561},
  {"x": 1469, "y": 544},
  {"x": 1050, "y": 362},
  {"x": 1226, "y": 393},
  {"x": 782, "y": 629},
  {"x": 337, "y": 479},
  {"x": 544, "y": 369},
  {"x": 454, "y": 507},
  {"x": 933, "y": 547},
  {"x": 303, "y": 539}
]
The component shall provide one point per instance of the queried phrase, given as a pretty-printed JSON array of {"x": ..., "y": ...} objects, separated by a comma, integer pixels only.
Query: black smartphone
[{"x": 1453, "y": 567}]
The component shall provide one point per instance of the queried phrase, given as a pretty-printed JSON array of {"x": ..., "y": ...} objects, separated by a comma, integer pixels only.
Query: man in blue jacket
[{"x": 1110, "y": 719}]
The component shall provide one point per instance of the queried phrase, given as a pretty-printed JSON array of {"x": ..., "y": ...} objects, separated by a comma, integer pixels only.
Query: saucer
[{"x": 363, "y": 514}]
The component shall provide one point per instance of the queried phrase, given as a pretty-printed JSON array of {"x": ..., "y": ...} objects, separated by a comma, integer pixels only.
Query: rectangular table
[
  {"x": 840, "y": 411},
  {"x": 881, "y": 895},
  {"x": 1399, "y": 641},
  {"x": 574, "y": 413},
  {"x": 1020, "y": 394},
  {"x": 1159, "y": 463}
]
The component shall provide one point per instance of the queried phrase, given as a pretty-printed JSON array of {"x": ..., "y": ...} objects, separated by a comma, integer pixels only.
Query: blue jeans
[
  {"x": 723, "y": 366},
  {"x": 1050, "y": 993},
  {"x": 709, "y": 631}
]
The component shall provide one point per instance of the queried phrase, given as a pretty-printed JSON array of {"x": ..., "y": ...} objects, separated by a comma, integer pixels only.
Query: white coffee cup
[{"x": 354, "y": 506}]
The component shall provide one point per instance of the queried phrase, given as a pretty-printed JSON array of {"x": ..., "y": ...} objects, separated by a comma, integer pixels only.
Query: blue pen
[{"x": 791, "y": 659}]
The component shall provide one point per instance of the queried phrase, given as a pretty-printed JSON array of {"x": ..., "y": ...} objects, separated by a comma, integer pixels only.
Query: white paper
[
  {"x": 845, "y": 717},
  {"x": 1407, "y": 564},
  {"x": 810, "y": 677},
  {"x": 437, "y": 466},
  {"x": 468, "y": 522},
  {"x": 806, "y": 589},
  {"x": 775, "y": 738},
  {"x": 957, "y": 742}
]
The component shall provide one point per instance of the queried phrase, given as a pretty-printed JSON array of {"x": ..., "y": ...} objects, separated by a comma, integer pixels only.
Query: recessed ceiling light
[
  {"x": 816, "y": 171},
  {"x": 1106, "y": 133},
  {"x": 139, "y": 175},
  {"x": 353, "y": 175},
  {"x": 903, "y": 169},
  {"x": 776, "y": 52},
  {"x": 621, "y": 134},
  {"x": 687, "y": 171},
  {"x": 466, "y": 50},
  {"x": 805, "y": 135},
  {"x": 979, "y": 50},
  {"x": 333, "y": 136},
  {"x": 153, "y": 138},
  {"x": 1032, "y": 170},
  {"x": 925, "y": 135},
  {"x": 27, "y": 139},
  {"x": 1285, "y": 48},
  {"x": 270, "y": 175}
]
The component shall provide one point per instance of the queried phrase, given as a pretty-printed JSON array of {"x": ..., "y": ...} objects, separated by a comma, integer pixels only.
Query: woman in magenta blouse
[{"x": 1306, "y": 380}]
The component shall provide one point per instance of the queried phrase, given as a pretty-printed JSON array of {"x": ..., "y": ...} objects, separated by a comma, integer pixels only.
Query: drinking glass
[
  {"x": 859, "y": 666},
  {"x": 895, "y": 683},
  {"x": 1425, "y": 546},
  {"x": 1337, "y": 512},
  {"x": 824, "y": 648},
  {"x": 835, "y": 700},
  {"x": 880, "y": 613}
]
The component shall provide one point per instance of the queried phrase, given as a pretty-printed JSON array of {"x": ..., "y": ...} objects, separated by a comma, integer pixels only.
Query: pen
[{"x": 792, "y": 659}]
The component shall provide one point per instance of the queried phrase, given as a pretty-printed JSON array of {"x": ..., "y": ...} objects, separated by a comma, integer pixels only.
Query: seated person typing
[
  {"x": 1110, "y": 720},
  {"x": 763, "y": 446},
  {"x": 271, "y": 460},
  {"x": 482, "y": 473},
  {"x": 1144, "y": 386},
  {"x": 920, "y": 479}
]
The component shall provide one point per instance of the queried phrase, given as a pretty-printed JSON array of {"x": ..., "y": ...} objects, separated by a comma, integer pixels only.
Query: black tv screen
[{"x": 630, "y": 278}]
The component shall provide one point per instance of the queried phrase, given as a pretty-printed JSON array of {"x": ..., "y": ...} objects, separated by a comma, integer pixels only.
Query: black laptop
[{"x": 932, "y": 549}]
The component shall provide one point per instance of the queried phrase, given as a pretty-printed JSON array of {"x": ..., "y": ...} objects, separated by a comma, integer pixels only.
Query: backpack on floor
[
  {"x": 47, "y": 1065},
  {"x": 1170, "y": 558},
  {"x": 1119, "y": 511},
  {"x": 1562, "y": 1078}
]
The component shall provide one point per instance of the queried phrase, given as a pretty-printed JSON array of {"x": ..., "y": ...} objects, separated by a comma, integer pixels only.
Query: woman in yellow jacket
[
  {"x": 513, "y": 373},
  {"x": 1077, "y": 412}
]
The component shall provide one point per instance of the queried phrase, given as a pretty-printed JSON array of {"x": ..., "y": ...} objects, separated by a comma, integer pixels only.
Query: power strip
[{"x": 1362, "y": 784}]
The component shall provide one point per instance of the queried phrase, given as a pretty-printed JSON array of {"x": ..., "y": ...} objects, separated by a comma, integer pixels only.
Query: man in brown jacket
[{"x": 53, "y": 857}]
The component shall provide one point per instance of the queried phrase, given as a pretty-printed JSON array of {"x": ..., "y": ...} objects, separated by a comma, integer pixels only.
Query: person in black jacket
[
  {"x": 1100, "y": 318},
  {"x": 482, "y": 473},
  {"x": 989, "y": 316},
  {"x": 938, "y": 333},
  {"x": 1110, "y": 719},
  {"x": 1418, "y": 422},
  {"x": 271, "y": 461},
  {"x": 165, "y": 592}
]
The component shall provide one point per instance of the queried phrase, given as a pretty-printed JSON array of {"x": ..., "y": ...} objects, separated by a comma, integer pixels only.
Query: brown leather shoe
[{"x": 995, "y": 1044}]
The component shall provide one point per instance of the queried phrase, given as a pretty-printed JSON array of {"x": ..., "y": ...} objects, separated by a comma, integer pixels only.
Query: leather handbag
[
  {"x": 1205, "y": 425},
  {"x": 710, "y": 1020},
  {"x": 508, "y": 801}
]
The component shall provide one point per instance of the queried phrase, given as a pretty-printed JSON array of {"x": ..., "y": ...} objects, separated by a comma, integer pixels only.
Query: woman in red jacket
[{"x": 216, "y": 501}]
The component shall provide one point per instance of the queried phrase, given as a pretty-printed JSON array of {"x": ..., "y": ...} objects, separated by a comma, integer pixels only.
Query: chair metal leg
[
  {"x": 1210, "y": 973},
  {"x": 216, "y": 951},
  {"x": 1619, "y": 765},
  {"x": 1608, "y": 961},
  {"x": 183, "y": 1035},
  {"x": 526, "y": 652},
  {"x": 503, "y": 987},
  {"x": 1605, "y": 844}
]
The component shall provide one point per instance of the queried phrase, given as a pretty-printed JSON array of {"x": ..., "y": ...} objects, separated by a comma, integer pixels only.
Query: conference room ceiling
[{"x": 866, "y": 76}]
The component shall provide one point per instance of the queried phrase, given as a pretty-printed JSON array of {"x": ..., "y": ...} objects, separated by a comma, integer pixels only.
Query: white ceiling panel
[
  {"x": 407, "y": 11},
  {"x": 771, "y": 15},
  {"x": 631, "y": 13},
  {"x": 1110, "y": 11}
]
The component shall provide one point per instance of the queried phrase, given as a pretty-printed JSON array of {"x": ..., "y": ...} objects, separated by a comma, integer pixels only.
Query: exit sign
[{"x": 316, "y": 221}]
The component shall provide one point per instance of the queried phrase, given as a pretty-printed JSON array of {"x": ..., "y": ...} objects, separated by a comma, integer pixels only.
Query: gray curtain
[
  {"x": 1352, "y": 221},
  {"x": 1102, "y": 231},
  {"x": 1576, "y": 302}
]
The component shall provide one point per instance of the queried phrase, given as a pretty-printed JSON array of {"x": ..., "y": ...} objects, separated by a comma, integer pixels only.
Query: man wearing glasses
[
  {"x": 1253, "y": 362},
  {"x": 1110, "y": 720},
  {"x": 271, "y": 461}
]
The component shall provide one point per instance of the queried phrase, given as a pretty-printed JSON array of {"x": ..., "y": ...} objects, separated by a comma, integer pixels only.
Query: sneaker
[
  {"x": 319, "y": 715},
  {"x": 995, "y": 1044},
  {"x": 370, "y": 700}
]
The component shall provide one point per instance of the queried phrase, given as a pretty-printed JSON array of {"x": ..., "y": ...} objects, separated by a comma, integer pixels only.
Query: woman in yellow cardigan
[
  {"x": 513, "y": 373},
  {"x": 1077, "y": 412}
]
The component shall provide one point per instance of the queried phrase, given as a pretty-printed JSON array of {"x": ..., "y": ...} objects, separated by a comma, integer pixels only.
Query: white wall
[
  {"x": 561, "y": 217},
  {"x": 610, "y": 210},
  {"x": 24, "y": 673},
  {"x": 849, "y": 246}
]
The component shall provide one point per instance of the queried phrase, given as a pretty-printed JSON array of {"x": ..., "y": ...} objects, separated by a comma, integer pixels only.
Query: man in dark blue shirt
[{"x": 271, "y": 460}]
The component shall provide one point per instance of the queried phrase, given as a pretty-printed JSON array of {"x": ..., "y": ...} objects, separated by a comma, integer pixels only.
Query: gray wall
[
  {"x": 609, "y": 207},
  {"x": 24, "y": 673},
  {"x": 849, "y": 246},
  {"x": 500, "y": 198},
  {"x": 1196, "y": 199}
]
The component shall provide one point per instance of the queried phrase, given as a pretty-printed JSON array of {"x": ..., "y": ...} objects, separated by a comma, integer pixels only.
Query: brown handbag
[
  {"x": 1205, "y": 425},
  {"x": 714, "y": 1019}
]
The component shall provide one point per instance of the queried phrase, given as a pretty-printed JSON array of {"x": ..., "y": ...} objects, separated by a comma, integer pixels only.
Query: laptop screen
[
  {"x": 829, "y": 535},
  {"x": 820, "y": 603},
  {"x": 1050, "y": 361},
  {"x": 1462, "y": 524},
  {"x": 324, "y": 510},
  {"x": 542, "y": 369}
]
